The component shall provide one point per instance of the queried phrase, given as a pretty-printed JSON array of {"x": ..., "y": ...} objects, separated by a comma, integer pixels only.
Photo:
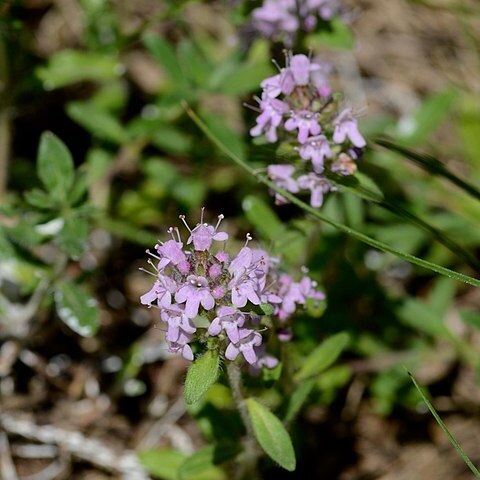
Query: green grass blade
[
  {"x": 456, "y": 445},
  {"x": 343, "y": 228},
  {"x": 431, "y": 165}
]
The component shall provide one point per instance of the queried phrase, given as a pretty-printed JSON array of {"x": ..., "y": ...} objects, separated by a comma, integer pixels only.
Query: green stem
[
  {"x": 339, "y": 226},
  {"x": 248, "y": 463}
]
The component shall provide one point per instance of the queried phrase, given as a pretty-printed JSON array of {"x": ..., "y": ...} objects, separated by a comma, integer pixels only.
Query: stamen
[
  {"x": 276, "y": 65},
  {"x": 182, "y": 218},
  {"x": 251, "y": 107},
  {"x": 304, "y": 269},
  {"x": 149, "y": 261},
  {"x": 220, "y": 218},
  {"x": 144, "y": 270},
  {"x": 170, "y": 232},
  {"x": 248, "y": 238},
  {"x": 178, "y": 235},
  {"x": 201, "y": 215},
  {"x": 152, "y": 254}
]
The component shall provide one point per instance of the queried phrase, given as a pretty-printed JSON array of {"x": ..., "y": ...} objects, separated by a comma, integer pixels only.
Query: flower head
[{"x": 203, "y": 292}]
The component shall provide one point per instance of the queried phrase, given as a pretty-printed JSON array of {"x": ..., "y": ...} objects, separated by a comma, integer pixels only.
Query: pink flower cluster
[
  {"x": 204, "y": 293},
  {"x": 297, "y": 105},
  {"x": 282, "y": 19}
]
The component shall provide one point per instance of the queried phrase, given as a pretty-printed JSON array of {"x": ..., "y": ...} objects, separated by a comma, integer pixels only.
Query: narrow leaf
[
  {"x": 165, "y": 55},
  {"x": 55, "y": 166},
  {"x": 440, "y": 422},
  {"x": 271, "y": 435},
  {"x": 162, "y": 463},
  {"x": 39, "y": 199},
  {"x": 73, "y": 236},
  {"x": 323, "y": 356},
  {"x": 205, "y": 462},
  {"x": 431, "y": 165},
  {"x": 77, "y": 308},
  {"x": 298, "y": 398},
  {"x": 99, "y": 122},
  {"x": 202, "y": 373},
  {"x": 339, "y": 226}
]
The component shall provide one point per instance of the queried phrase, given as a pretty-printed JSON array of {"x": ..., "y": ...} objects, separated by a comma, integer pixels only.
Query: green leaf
[
  {"x": 327, "y": 220},
  {"x": 266, "y": 308},
  {"x": 193, "y": 63},
  {"x": 55, "y": 166},
  {"x": 162, "y": 463},
  {"x": 442, "y": 425},
  {"x": 471, "y": 318},
  {"x": 323, "y": 356},
  {"x": 202, "y": 373},
  {"x": 99, "y": 122},
  {"x": 165, "y": 55},
  {"x": 72, "y": 66},
  {"x": 6, "y": 249},
  {"x": 39, "y": 199},
  {"x": 79, "y": 189},
  {"x": 298, "y": 398},
  {"x": 245, "y": 78},
  {"x": 431, "y": 165},
  {"x": 263, "y": 218},
  {"x": 73, "y": 236},
  {"x": 203, "y": 463},
  {"x": 422, "y": 317},
  {"x": 76, "y": 308},
  {"x": 226, "y": 135},
  {"x": 271, "y": 435}
]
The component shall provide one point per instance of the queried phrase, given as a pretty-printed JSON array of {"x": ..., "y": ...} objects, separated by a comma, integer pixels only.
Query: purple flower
[
  {"x": 346, "y": 126},
  {"x": 204, "y": 234},
  {"x": 316, "y": 149},
  {"x": 243, "y": 285},
  {"x": 306, "y": 122},
  {"x": 281, "y": 175},
  {"x": 194, "y": 292},
  {"x": 301, "y": 68},
  {"x": 229, "y": 319},
  {"x": 162, "y": 292},
  {"x": 183, "y": 349},
  {"x": 275, "y": 16},
  {"x": 180, "y": 327},
  {"x": 271, "y": 117},
  {"x": 307, "y": 288},
  {"x": 248, "y": 340},
  {"x": 326, "y": 9},
  {"x": 317, "y": 185},
  {"x": 171, "y": 252},
  {"x": 264, "y": 360}
]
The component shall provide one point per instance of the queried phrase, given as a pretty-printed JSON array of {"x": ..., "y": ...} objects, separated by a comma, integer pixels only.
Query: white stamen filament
[
  {"x": 220, "y": 218},
  {"x": 182, "y": 218},
  {"x": 147, "y": 271}
]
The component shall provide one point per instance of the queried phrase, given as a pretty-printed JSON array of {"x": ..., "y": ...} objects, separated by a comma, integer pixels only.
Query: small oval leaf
[
  {"x": 323, "y": 356},
  {"x": 55, "y": 166},
  {"x": 77, "y": 308},
  {"x": 202, "y": 373},
  {"x": 271, "y": 435},
  {"x": 205, "y": 462},
  {"x": 162, "y": 463}
]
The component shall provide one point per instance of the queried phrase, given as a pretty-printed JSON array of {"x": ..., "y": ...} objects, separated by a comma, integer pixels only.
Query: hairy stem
[{"x": 247, "y": 465}]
